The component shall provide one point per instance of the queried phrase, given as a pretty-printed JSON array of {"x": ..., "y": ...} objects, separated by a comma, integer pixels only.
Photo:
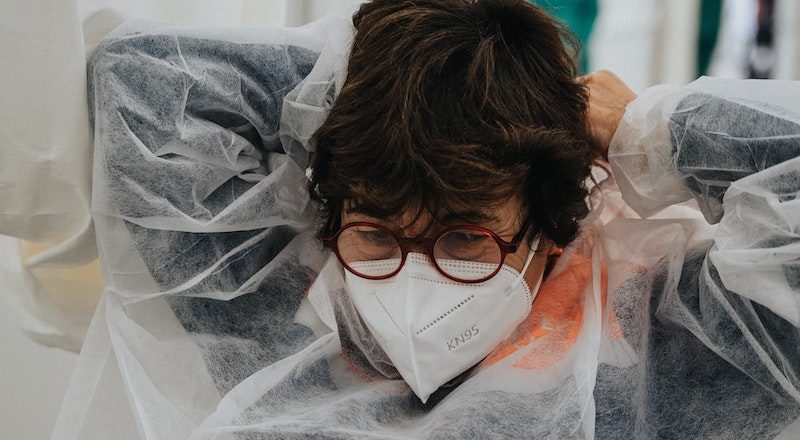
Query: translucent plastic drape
[
  {"x": 223, "y": 317},
  {"x": 51, "y": 278}
]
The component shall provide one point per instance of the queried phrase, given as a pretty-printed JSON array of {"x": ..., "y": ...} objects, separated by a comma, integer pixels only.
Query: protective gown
[{"x": 223, "y": 317}]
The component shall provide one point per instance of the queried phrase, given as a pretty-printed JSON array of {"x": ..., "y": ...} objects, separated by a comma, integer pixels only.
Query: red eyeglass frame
[{"x": 506, "y": 247}]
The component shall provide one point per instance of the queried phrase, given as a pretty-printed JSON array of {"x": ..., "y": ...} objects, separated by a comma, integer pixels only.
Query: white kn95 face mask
[{"x": 433, "y": 328}]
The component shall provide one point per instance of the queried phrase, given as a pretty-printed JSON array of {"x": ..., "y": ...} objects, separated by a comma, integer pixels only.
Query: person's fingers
[{"x": 608, "y": 97}]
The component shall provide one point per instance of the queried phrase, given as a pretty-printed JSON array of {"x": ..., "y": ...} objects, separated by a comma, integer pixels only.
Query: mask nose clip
[{"x": 419, "y": 257}]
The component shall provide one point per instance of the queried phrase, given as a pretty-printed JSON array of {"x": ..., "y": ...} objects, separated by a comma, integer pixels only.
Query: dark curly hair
[{"x": 456, "y": 106}]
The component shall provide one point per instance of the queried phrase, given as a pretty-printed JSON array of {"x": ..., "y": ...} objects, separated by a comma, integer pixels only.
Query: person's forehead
[{"x": 502, "y": 218}]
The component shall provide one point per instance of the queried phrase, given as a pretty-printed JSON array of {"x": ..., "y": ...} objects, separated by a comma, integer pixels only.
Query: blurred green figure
[
  {"x": 580, "y": 15},
  {"x": 710, "y": 17}
]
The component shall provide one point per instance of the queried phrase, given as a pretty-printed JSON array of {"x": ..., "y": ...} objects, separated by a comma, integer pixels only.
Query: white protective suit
[
  {"x": 50, "y": 275},
  {"x": 223, "y": 317}
]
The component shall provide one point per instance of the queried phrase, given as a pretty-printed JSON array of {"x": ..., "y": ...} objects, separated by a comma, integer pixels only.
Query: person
[
  {"x": 418, "y": 222},
  {"x": 453, "y": 173},
  {"x": 506, "y": 159}
]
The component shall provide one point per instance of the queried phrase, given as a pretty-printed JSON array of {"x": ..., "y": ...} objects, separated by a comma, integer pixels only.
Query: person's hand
[{"x": 608, "y": 98}]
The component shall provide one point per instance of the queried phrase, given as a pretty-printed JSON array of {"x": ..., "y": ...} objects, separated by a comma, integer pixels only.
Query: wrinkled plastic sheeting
[
  {"x": 733, "y": 147},
  {"x": 51, "y": 271},
  {"x": 202, "y": 139},
  {"x": 223, "y": 317}
]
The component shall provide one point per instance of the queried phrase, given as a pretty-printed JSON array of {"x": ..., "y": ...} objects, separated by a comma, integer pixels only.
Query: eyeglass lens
[
  {"x": 372, "y": 251},
  {"x": 369, "y": 251}
]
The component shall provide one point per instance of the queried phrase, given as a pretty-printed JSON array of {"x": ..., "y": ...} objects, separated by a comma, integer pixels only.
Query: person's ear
[{"x": 547, "y": 247}]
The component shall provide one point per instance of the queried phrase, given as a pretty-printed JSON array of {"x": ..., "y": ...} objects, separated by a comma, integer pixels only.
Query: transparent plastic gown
[{"x": 223, "y": 317}]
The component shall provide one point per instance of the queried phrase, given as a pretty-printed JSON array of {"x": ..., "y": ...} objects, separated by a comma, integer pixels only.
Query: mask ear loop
[{"x": 521, "y": 277}]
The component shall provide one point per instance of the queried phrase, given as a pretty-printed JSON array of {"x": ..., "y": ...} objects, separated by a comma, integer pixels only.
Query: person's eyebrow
[
  {"x": 358, "y": 209},
  {"x": 471, "y": 217},
  {"x": 368, "y": 210},
  {"x": 451, "y": 218}
]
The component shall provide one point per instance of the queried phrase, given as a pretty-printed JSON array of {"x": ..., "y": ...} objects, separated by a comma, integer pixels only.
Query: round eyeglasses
[{"x": 375, "y": 252}]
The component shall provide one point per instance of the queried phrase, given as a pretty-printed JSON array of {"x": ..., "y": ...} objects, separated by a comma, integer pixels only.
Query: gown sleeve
[
  {"x": 195, "y": 196},
  {"x": 726, "y": 320},
  {"x": 733, "y": 146}
]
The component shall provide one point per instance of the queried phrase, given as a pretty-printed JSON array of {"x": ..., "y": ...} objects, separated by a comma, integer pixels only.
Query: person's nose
[{"x": 419, "y": 245}]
